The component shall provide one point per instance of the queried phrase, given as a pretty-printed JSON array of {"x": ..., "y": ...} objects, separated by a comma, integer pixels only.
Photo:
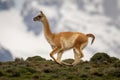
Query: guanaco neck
[{"x": 47, "y": 32}]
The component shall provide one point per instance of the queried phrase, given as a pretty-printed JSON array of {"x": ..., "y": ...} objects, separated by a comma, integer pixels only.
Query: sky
[
  {"x": 19, "y": 3},
  {"x": 15, "y": 37}
]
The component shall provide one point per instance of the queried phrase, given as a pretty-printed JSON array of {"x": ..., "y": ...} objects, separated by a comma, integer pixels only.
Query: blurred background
[{"x": 21, "y": 37}]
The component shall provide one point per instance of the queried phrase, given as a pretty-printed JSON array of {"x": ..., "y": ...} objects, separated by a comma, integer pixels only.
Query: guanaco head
[{"x": 39, "y": 17}]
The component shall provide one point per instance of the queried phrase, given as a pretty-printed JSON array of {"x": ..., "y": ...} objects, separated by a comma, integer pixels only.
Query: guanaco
[{"x": 63, "y": 41}]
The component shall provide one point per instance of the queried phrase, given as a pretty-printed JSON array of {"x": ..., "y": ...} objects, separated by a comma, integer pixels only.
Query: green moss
[
  {"x": 1, "y": 73},
  {"x": 37, "y": 68},
  {"x": 100, "y": 58},
  {"x": 35, "y": 58},
  {"x": 117, "y": 64}
]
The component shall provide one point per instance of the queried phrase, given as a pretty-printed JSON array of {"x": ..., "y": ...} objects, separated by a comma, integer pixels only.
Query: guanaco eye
[{"x": 39, "y": 16}]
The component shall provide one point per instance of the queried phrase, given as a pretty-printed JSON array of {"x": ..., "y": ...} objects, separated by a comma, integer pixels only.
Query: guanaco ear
[{"x": 41, "y": 12}]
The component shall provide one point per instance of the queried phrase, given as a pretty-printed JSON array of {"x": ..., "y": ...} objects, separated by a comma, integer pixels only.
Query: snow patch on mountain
[{"x": 5, "y": 55}]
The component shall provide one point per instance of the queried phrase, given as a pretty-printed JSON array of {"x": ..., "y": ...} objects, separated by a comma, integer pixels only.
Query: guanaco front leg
[
  {"x": 55, "y": 50},
  {"x": 59, "y": 56}
]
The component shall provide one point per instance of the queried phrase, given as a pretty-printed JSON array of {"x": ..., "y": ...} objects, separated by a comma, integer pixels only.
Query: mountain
[
  {"x": 6, "y": 4},
  {"x": 100, "y": 17},
  {"x": 5, "y": 55}
]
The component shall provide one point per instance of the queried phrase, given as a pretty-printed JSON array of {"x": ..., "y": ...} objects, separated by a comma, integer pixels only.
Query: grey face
[{"x": 39, "y": 17}]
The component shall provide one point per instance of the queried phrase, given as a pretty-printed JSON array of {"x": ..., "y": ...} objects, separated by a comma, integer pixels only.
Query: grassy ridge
[{"x": 100, "y": 67}]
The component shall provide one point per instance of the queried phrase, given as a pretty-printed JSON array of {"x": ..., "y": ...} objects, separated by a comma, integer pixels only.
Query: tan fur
[
  {"x": 64, "y": 41},
  {"x": 67, "y": 43}
]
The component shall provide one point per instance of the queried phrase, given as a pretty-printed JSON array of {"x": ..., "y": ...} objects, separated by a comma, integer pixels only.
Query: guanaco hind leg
[{"x": 76, "y": 56}]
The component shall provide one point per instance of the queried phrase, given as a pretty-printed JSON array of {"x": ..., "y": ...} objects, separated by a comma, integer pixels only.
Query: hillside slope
[{"x": 100, "y": 67}]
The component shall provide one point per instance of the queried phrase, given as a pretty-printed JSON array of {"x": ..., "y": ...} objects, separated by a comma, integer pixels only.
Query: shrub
[
  {"x": 27, "y": 70},
  {"x": 1, "y": 73},
  {"x": 16, "y": 74},
  {"x": 84, "y": 75},
  {"x": 117, "y": 64},
  {"x": 68, "y": 60},
  {"x": 50, "y": 70},
  {"x": 35, "y": 77},
  {"x": 96, "y": 72},
  {"x": 111, "y": 71},
  {"x": 100, "y": 58},
  {"x": 35, "y": 58},
  {"x": 4, "y": 78},
  {"x": 12, "y": 72},
  {"x": 19, "y": 59},
  {"x": 114, "y": 59},
  {"x": 0, "y": 63}
]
